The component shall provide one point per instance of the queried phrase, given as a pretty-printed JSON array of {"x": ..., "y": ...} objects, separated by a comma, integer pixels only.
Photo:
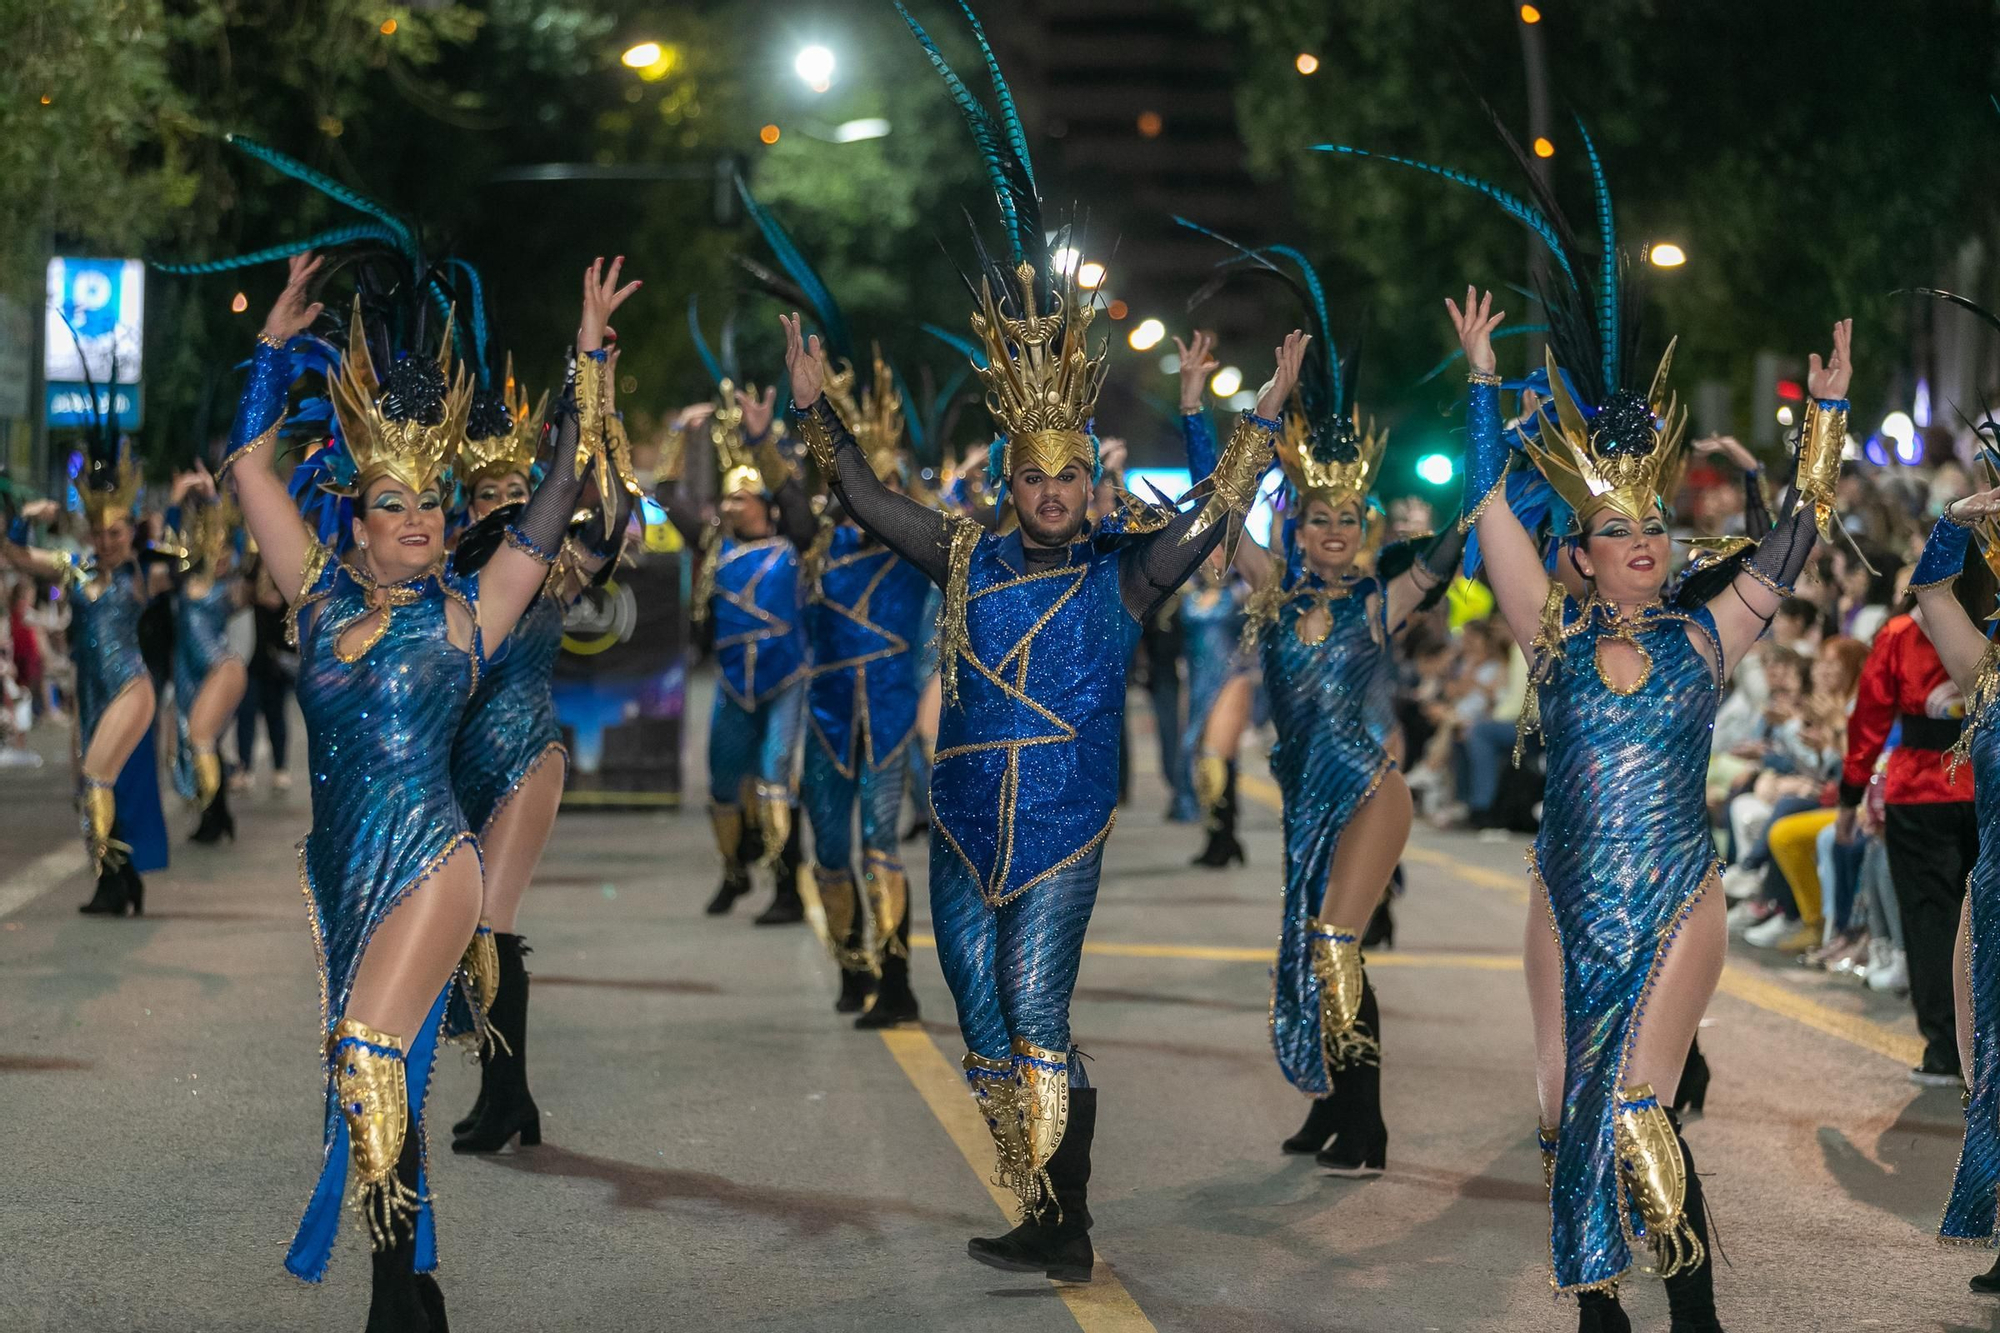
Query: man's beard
[{"x": 1061, "y": 535}]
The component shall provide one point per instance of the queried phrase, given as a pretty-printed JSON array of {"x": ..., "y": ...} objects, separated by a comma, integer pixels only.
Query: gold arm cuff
[
  {"x": 1232, "y": 487},
  {"x": 819, "y": 441},
  {"x": 269, "y": 341},
  {"x": 589, "y": 408},
  {"x": 1821, "y": 439}
]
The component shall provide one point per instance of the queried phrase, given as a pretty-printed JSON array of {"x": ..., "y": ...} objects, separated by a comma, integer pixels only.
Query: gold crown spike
[
  {"x": 514, "y": 451},
  {"x": 206, "y": 531},
  {"x": 1041, "y": 380},
  {"x": 102, "y": 508},
  {"x": 411, "y": 453},
  {"x": 1333, "y": 483},
  {"x": 876, "y": 421},
  {"x": 760, "y": 468},
  {"x": 1633, "y": 484}
]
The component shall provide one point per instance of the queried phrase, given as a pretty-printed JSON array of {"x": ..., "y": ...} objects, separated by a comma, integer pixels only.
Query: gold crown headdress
[
  {"x": 514, "y": 449},
  {"x": 876, "y": 421},
  {"x": 103, "y": 506},
  {"x": 759, "y": 468},
  {"x": 1593, "y": 468},
  {"x": 205, "y": 533},
  {"x": 1333, "y": 482},
  {"x": 409, "y": 450},
  {"x": 1041, "y": 380}
]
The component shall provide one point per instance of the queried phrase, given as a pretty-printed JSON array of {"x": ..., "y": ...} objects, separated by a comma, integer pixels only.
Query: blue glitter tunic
[
  {"x": 201, "y": 643},
  {"x": 1330, "y": 755},
  {"x": 104, "y": 638},
  {"x": 865, "y": 623},
  {"x": 1025, "y": 779},
  {"x": 760, "y": 643},
  {"x": 1969, "y": 1217},
  {"x": 510, "y": 726},
  {"x": 1623, "y": 853}
]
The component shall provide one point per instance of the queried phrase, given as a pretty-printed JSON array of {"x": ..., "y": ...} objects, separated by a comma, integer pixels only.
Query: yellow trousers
[{"x": 1795, "y": 847}]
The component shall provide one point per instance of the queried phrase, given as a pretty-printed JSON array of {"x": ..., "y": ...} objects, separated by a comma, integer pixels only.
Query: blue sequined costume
[
  {"x": 510, "y": 727},
  {"x": 201, "y": 643},
  {"x": 760, "y": 653},
  {"x": 1975, "y": 1186},
  {"x": 1623, "y": 854},
  {"x": 1332, "y": 732},
  {"x": 1212, "y": 619},
  {"x": 104, "y": 644}
]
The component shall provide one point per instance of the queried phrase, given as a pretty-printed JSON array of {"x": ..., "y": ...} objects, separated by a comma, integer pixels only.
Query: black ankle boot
[
  {"x": 216, "y": 820},
  {"x": 1058, "y": 1248},
  {"x": 1321, "y": 1121},
  {"x": 396, "y": 1302},
  {"x": 1361, "y": 1140},
  {"x": 1988, "y": 1283},
  {"x": 1691, "y": 1292},
  {"x": 1600, "y": 1312},
  {"x": 735, "y": 883},
  {"x": 509, "y": 1108},
  {"x": 895, "y": 1002},
  {"x": 113, "y": 892},
  {"x": 1223, "y": 846},
  {"x": 1692, "y": 1092},
  {"x": 1381, "y": 930},
  {"x": 856, "y": 984},
  {"x": 787, "y": 907}
]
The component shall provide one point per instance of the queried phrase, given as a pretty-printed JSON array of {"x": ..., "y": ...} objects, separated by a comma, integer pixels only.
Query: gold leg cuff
[
  {"x": 370, "y": 1081},
  {"x": 207, "y": 776},
  {"x": 1655, "y": 1175},
  {"x": 100, "y": 813},
  {"x": 839, "y": 900},
  {"x": 1336, "y": 962},
  {"x": 1546, "y": 1138},
  {"x": 997, "y": 1093},
  {"x": 888, "y": 903},
  {"x": 774, "y": 817},
  {"x": 728, "y": 823},
  {"x": 1043, "y": 1077},
  {"x": 1211, "y": 781}
]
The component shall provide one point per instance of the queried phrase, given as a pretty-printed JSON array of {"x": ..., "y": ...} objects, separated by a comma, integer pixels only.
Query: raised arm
[
  {"x": 915, "y": 532},
  {"x": 1197, "y": 364},
  {"x": 1744, "y": 609},
  {"x": 1756, "y": 508},
  {"x": 1513, "y": 564},
  {"x": 282, "y": 537},
  {"x": 1960, "y": 644},
  {"x": 15, "y": 552},
  {"x": 1413, "y": 587},
  {"x": 515, "y": 573}
]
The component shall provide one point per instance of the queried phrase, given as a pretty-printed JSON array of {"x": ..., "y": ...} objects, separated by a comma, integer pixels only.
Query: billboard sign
[
  {"x": 104, "y": 302},
  {"x": 70, "y": 405}
]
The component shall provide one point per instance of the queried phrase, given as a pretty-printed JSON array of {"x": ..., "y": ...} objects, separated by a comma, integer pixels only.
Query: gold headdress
[
  {"x": 1041, "y": 381},
  {"x": 759, "y": 468},
  {"x": 408, "y": 442},
  {"x": 1332, "y": 482},
  {"x": 513, "y": 450},
  {"x": 102, "y": 506},
  {"x": 1591, "y": 468},
  {"x": 876, "y": 422},
  {"x": 205, "y": 533}
]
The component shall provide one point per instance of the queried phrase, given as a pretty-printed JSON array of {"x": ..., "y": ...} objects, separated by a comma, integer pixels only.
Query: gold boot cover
[
  {"x": 1044, "y": 1091},
  {"x": 728, "y": 822},
  {"x": 998, "y": 1096},
  {"x": 369, "y": 1078},
  {"x": 888, "y": 901},
  {"x": 1546, "y": 1137},
  {"x": 481, "y": 966},
  {"x": 774, "y": 817},
  {"x": 1655, "y": 1174},
  {"x": 839, "y": 899},
  {"x": 207, "y": 776},
  {"x": 1336, "y": 962},
  {"x": 1211, "y": 782},
  {"x": 100, "y": 812}
]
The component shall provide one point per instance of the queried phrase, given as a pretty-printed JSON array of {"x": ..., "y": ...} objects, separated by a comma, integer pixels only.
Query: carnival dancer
[
  {"x": 508, "y": 762},
  {"x": 124, "y": 831},
  {"x": 209, "y": 675},
  {"x": 391, "y": 649}
]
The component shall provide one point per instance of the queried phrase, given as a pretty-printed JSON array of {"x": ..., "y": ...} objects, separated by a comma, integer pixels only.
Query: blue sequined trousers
[
  {"x": 1328, "y": 759},
  {"x": 1623, "y": 853},
  {"x": 1975, "y": 1185},
  {"x": 379, "y": 732},
  {"x": 753, "y": 745},
  {"x": 201, "y": 643},
  {"x": 830, "y": 797},
  {"x": 104, "y": 644},
  {"x": 510, "y": 726}
]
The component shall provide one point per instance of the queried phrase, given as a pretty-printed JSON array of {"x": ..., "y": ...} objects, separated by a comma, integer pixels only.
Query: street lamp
[
  {"x": 1437, "y": 469},
  {"x": 642, "y": 55},
  {"x": 1667, "y": 255},
  {"x": 815, "y": 66},
  {"x": 1090, "y": 274},
  {"x": 1146, "y": 335},
  {"x": 1225, "y": 382},
  {"x": 854, "y": 131}
]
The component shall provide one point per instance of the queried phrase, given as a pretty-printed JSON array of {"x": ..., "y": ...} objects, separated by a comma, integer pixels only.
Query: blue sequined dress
[
  {"x": 1212, "y": 642},
  {"x": 510, "y": 727},
  {"x": 201, "y": 643},
  {"x": 1623, "y": 854},
  {"x": 1969, "y": 1217},
  {"x": 104, "y": 644},
  {"x": 1331, "y": 753}
]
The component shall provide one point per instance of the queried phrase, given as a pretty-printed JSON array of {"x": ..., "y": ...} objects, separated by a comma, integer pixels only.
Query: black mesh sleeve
[
  {"x": 1783, "y": 553},
  {"x": 795, "y": 516},
  {"x": 1152, "y": 566},
  {"x": 606, "y": 545},
  {"x": 542, "y": 525},
  {"x": 1440, "y": 562},
  {"x": 1756, "y": 513},
  {"x": 915, "y": 532}
]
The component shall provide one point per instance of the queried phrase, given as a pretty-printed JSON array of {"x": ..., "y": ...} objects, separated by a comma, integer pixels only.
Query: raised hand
[
  {"x": 1728, "y": 445},
  {"x": 757, "y": 411},
  {"x": 1197, "y": 364},
  {"x": 1291, "y": 355},
  {"x": 1974, "y": 508},
  {"x": 804, "y": 360},
  {"x": 601, "y": 296},
  {"x": 1111, "y": 456},
  {"x": 1829, "y": 381},
  {"x": 1475, "y": 325},
  {"x": 292, "y": 314}
]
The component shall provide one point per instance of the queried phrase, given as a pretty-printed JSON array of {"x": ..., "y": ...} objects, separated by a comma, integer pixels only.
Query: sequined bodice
[
  {"x": 201, "y": 624},
  {"x": 530, "y": 660},
  {"x": 759, "y": 634},
  {"x": 1332, "y": 683},
  {"x": 104, "y": 636}
]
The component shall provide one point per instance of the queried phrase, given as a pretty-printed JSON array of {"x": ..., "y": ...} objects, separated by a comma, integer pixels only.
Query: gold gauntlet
[
  {"x": 370, "y": 1081},
  {"x": 1042, "y": 1077},
  {"x": 818, "y": 439},
  {"x": 207, "y": 776},
  {"x": 1821, "y": 440},
  {"x": 1232, "y": 487},
  {"x": 998, "y": 1096},
  {"x": 1655, "y": 1173},
  {"x": 1336, "y": 962},
  {"x": 589, "y": 410}
]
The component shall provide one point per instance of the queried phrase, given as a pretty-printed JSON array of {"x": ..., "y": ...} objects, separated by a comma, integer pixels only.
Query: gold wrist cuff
[
  {"x": 1821, "y": 440},
  {"x": 589, "y": 408},
  {"x": 269, "y": 341},
  {"x": 1230, "y": 490},
  {"x": 819, "y": 440},
  {"x": 1485, "y": 377}
]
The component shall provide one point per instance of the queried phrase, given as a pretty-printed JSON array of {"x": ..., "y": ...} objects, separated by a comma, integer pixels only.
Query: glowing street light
[
  {"x": 1897, "y": 426},
  {"x": 854, "y": 131},
  {"x": 1307, "y": 63},
  {"x": 1225, "y": 382},
  {"x": 1667, "y": 255},
  {"x": 239, "y": 303},
  {"x": 1437, "y": 469},
  {"x": 1090, "y": 274},
  {"x": 815, "y": 66},
  {"x": 768, "y": 135},
  {"x": 1529, "y": 14},
  {"x": 1146, "y": 335},
  {"x": 1785, "y": 417},
  {"x": 1065, "y": 259},
  {"x": 642, "y": 55},
  {"x": 1543, "y": 147}
]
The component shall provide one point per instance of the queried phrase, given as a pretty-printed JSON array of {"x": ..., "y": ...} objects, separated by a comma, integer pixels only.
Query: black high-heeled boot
[
  {"x": 895, "y": 1002},
  {"x": 1361, "y": 1139},
  {"x": 1057, "y": 1247},
  {"x": 509, "y": 1108},
  {"x": 1987, "y": 1283},
  {"x": 856, "y": 984},
  {"x": 1223, "y": 846},
  {"x": 216, "y": 821},
  {"x": 111, "y": 895},
  {"x": 396, "y": 1302},
  {"x": 787, "y": 907},
  {"x": 1381, "y": 929},
  {"x": 1691, "y": 1094},
  {"x": 1691, "y": 1292},
  {"x": 1320, "y": 1124},
  {"x": 1600, "y": 1312}
]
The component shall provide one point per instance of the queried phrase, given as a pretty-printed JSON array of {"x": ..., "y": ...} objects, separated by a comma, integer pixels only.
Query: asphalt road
[{"x": 722, "y": 1151}]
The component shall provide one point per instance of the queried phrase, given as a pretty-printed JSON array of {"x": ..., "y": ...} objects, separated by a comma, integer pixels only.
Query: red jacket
[{"x": 1902, "y": 676}]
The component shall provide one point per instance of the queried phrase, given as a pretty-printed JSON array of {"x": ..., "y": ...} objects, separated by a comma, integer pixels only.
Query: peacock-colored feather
[
  {"x": 985, "y": 134},
  {"x": 707, "y": 354},
  {"x": 1607, "y": 282},
  {"x": 326, "y": 240},
  {"x": 1527, "y": 216},
  {"x": 825, "y": 310},
  {"x": 1010, "y": 116},
  {"x": 477, "y": 288},
  {"x": 1510, "y": 331},
  {"x": 331, "y": 188},
  {"x": 973, "y": 352}
]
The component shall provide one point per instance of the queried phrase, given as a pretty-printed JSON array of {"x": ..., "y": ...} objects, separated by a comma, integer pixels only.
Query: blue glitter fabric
[
  {"x": 1212, "y": 643},
  {"x": 1326, "y": 706},
  {"x": 746, "y": 744},
  {"x": 510, "y": 727},
  {"x": 1943, "y": 558},
  {"x": 104, "y": 644},
  {"x": 864, "y": 623},
  {"x": 1975, "y": 1186},
  {"x": 1025, "y": 779},
  {"x": 1623, "y": 853},
  {"x": 760, "y": 642},
  {"x": 830, "y": 797},
  {"x": 261, "y": 409},
  {"x": 201, "y": 643},
  {"x": 1199, "y": 436},
  {"x": 379, "y": 732}
]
